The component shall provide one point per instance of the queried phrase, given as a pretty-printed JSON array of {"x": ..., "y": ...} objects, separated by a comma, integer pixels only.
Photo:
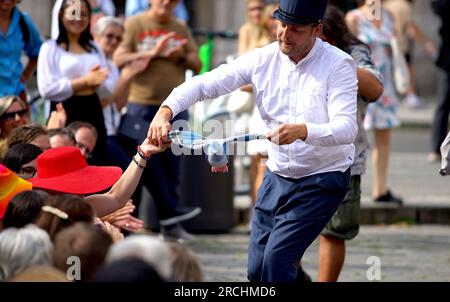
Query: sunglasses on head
[{"x": 12, "y": 115}]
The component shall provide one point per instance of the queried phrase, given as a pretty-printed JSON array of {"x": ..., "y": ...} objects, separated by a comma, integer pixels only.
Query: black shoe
[
  {"x": 179, "y": 214},
  {"x": 388, "y": 197},
  {"x": 302, "y": 276}
]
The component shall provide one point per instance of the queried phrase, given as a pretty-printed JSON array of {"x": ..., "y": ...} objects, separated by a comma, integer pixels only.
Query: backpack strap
[{"x": 25, "y": 30}]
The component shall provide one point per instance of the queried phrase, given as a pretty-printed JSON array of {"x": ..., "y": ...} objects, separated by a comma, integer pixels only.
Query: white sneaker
[{"x": 413, "y": 101}]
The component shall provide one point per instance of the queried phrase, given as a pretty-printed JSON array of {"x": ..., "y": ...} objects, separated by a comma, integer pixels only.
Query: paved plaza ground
[{"x": 407, "y": 253}]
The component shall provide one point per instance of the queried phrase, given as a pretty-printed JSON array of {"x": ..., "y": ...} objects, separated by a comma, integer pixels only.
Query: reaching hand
[
  {"x": 150, "y": 148},
  {"x": 58, "y": 118},
  {"x": 130, "y": 224},
  {"x": 160, "y": 127},
  {"x": 114, "y": 232},
  {"x": 122, "y": 218}
]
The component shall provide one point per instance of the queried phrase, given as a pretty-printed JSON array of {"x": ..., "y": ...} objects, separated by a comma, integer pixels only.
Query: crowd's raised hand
[{"x": 123, "y": 219}]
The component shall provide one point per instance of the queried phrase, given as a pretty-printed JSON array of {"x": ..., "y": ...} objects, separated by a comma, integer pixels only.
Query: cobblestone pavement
[{"x": 407, "y": 253}]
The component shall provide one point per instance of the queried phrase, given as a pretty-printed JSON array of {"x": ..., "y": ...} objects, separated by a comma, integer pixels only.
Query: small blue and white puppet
[{"x": 215, "y": 149}]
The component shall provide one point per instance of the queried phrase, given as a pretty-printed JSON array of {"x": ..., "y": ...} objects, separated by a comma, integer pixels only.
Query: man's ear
[{"x": 318, "y": 30}]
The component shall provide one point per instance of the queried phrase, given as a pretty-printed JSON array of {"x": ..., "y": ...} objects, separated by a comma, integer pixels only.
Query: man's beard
[{"x": 294, "y": 50}]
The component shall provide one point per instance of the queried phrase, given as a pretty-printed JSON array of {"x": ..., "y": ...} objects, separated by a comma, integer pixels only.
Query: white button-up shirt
[{"x": 320, "y": 91}]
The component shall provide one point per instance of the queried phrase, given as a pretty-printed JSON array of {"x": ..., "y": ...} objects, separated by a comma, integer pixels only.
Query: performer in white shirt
[{"x": 306, "y": 92}]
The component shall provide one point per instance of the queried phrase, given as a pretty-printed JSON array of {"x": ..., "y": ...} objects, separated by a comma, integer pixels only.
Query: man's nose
[{"x": 283, "y": 32}]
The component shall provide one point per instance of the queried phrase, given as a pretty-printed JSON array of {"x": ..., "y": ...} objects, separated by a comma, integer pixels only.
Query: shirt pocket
[{"x": 313, "y": 104}]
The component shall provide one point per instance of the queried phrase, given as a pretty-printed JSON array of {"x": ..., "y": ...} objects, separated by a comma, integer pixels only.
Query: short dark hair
[
  {"x": 75, "y": 126},
  {"x": 23, "y": 208},
  {"x": 20, "y": 154},
  {"x": 62, "y": 132}
]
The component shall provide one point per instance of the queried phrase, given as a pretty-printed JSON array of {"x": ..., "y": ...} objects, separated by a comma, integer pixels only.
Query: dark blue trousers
[{"x": 289, "y": 215}]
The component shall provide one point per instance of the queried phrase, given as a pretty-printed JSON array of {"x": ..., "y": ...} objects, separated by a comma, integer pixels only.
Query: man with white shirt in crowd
[{"x": 306, "y": 92}]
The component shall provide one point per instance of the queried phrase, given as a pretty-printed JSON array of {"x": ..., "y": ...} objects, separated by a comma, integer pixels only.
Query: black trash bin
[{"x": 212, "y": 192}]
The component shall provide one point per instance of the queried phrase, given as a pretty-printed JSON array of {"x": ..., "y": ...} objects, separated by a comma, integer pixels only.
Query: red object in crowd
[
  {"x": 10, "y": 185},
  {"x": 65, "y": 170}
]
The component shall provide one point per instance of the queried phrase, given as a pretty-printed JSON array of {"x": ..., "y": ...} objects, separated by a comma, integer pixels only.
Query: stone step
[
  {"x": 410, "y": 214},
  {"x": 373, "y": 214}
]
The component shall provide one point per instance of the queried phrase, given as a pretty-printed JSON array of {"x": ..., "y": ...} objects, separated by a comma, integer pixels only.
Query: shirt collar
[
  {"x": 14, "y": 21},
  {"x": 317, "y": 45}
]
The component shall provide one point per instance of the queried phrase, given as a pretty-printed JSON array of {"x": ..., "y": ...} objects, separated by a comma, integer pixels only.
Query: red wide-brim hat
[{"x": 65, "y": 170}]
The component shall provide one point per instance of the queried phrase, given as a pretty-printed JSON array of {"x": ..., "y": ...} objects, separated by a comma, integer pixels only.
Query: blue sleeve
[
  {"x": 134, "y": 7},
  {"x": 33, "y": 47},
  {"x": 181, "y": 12}
]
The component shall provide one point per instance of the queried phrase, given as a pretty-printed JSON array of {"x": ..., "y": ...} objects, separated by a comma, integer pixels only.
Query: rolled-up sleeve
[
  {"x": 342, "y": 96},
  {"x": 222, "y": 80},
  {"x": 51, "y": 84}
]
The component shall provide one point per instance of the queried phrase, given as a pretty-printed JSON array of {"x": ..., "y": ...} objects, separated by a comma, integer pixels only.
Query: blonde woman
[
  {"x": 13, "y": 114},
  {"x": 250, "y": 32}
]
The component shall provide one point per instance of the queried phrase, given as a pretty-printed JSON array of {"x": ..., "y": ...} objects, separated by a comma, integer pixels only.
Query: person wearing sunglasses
[
  {"x": 21, "y": 159},
  {"x": 13, "y": 114},
  {"x": 108, "y": 34}
]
